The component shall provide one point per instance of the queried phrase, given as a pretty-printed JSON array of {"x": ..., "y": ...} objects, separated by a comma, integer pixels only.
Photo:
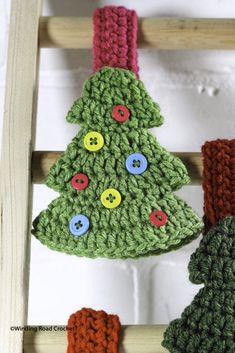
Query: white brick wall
[{"x": 196, "y": 92}]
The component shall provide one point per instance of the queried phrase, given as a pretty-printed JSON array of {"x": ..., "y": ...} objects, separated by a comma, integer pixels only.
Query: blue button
[
  {"x": 136, "y": 163},
  {"x": 79, "y": 225}
]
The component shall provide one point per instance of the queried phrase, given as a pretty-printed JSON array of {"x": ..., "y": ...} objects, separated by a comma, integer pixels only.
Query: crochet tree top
[
  {"x": 115, "y": 180},
  {"x": 208, "y": 324}
]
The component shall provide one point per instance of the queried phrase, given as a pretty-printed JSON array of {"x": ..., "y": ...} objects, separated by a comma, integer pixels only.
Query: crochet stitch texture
[
  {"x": 208, "y": 324},
  {"x": 115, "y": 38},
  {"x": 124, "y": 231},
  {"x": 91, "y": 331},
  {"x": 218, "y": 180}
]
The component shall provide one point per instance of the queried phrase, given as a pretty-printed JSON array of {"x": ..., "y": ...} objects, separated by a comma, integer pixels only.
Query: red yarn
[
  {"x": 218, "y": 180},
  {"x": 115, "y": 38},
  {"x": 91, "y": 331}
]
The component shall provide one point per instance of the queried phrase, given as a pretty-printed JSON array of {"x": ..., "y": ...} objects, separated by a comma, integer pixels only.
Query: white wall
[{"x": 196, "y": 92}]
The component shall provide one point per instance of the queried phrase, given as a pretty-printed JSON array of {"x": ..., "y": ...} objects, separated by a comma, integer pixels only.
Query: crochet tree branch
[
  {"x": 115, "y": 181},
  {"x": 208, "y": 324}
]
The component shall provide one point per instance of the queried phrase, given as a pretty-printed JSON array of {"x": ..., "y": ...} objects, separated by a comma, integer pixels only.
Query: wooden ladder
[{"x": 21, "y": 165}]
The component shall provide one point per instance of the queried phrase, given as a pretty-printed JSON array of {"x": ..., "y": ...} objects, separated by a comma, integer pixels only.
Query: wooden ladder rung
[
  {"x": 133, "y": 339},
  {"x": 42, "y": 161},
  {"x": 161, "y": 33}
]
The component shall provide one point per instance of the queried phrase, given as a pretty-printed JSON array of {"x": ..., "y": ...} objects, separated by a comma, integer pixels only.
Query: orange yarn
[
  {"x": 94, "y": 332},
  {"x": 218, "y": 180}
]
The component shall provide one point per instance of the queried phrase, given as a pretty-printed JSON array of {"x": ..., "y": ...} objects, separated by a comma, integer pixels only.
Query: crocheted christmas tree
[
  {"x": 208, "y": 324},
  {"x": 115, "y": 181}
]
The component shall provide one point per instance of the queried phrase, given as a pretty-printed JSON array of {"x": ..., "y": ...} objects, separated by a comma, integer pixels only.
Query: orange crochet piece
[
  {"x": 218, "y": 180},
  {"x": 93, "y": 332}
]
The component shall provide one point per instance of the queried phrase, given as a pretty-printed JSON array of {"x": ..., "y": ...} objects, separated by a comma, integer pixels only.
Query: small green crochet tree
[
  {"x": 208, "y": 324},
  {"x": 115, "y": 180}
]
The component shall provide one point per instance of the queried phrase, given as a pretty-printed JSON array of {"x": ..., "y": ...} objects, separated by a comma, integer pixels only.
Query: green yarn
[
  {"x": 125, "y": 231},
  {"x": 110, "y": 87},
  {"x": 208, "y": 324}
]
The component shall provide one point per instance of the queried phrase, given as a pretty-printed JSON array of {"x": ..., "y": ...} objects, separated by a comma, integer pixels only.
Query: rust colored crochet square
[
  {"x": 218, "y": 180},
  {"x": 91, "y": 331}
]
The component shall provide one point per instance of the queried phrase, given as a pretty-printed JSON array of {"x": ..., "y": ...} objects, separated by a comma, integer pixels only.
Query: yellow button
[
  {"x": 93, "y": 141},
  {"x": 111, "y": 198}
]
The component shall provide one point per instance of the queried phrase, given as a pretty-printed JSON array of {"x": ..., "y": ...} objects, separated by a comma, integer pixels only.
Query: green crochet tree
[
  {"x": 115, "y": 181},
  {"x": 208, "y": 324}
]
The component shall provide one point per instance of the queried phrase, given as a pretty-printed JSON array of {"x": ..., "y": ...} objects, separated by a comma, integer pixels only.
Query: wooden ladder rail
[
  {"x": 26, "y": 29},
  {"x": 161, "y": 33},
  {"x": 133, "y": 339},
  {"x": 15, "y": 179}
]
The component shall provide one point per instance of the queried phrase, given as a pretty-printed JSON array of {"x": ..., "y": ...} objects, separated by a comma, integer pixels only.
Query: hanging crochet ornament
[
  {"x": 208, "y": 323},
  {"x": 116, "y": 182},
  {"x": 93, "y": 331}
]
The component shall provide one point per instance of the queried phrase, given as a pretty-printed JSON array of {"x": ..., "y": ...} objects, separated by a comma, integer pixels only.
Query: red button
[
  {"x": 158, "y": 218},
  {"x": 80, "y": 181},
  {"x": 120, "y": 113}
]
